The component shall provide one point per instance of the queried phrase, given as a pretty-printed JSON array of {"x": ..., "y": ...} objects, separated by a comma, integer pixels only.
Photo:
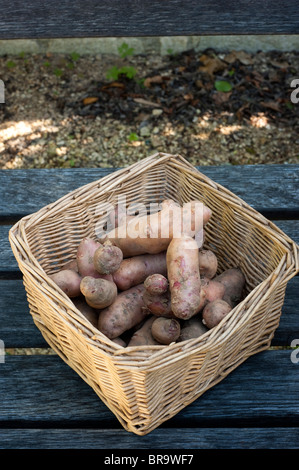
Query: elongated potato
[
  {"x": 233, "y": 281},
  {"x": 143, "y": 335},
  {"x": 183, "y": 276},
  {"x": 98, "y": 293},
  {"x": 68, "y": 280},
  {"x": 124, "y": 313},
  {"x": 136, "y": 269},
  {"x": 153, "y": 233}
]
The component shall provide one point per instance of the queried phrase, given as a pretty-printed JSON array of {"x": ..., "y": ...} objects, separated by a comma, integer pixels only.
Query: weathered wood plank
[
  {"x": 115, "y": 442},
  {"x": 40, "y": 19},
  {"x": 17, "y": 329},
  {"x": 43, "y": 391},
  {"x": 270, "y": 188}
]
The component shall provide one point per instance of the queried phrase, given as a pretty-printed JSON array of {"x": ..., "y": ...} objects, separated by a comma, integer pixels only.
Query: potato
[
  {"x": 119, "y": 341},
  {"x": 89, "y": 313},
  {"x": 85, "y": 262},
  {"x": 233, "y": 281},
  {"x": 210, "y": 290},
  {"x": 71, "y": 265},
  {"x": 214, "y": 312},
  {"x": 166, "y": 330},
  {"x": 85, "y": 253},
  {"x": 68, "y": 281},
  {"x": 153, "y": 233},
  {"x": 98, "y": 293},
  {"x": 192, "y": 328},
  {"x": 208, "y": 263},
  {"x": 156, "y": 284},
  {"x": 124, "y": 313},
  {"x": 143, "y": 336},
  {"x": 136, "y": 269},
  {"x": 107, "y": 258},
  {"x": 183, "y": 276},
  {"x": 159, "y": 304}
]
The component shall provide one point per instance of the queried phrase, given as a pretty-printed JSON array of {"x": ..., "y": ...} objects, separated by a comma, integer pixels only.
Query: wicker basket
[{"x": 146, "y": 386}]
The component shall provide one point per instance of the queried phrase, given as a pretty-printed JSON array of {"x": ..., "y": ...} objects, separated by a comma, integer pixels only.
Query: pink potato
[
  {"x": 210, "y": 290},
  {"x": 183, "y": 276},
  {"x": 166, "y": 330},
  {"x": 159, "y": 304},
  {"x": 214, "y": 312},
  {"x": 153, "y": 233},
  {"x": 98, "y": 293},
  {"x": 208, "y": 263},
  {"x": 124, "y": 313},
  {"x": 136, "y": 269},
  {"x": 107, "y": 258},
  {"x": 233, "y": 281},
  {"x": 143, "y": 335},
  {"x": 192, "y": 328},
  {"x": 69, "y": 282},
  {"x": 120, "y": 342},
  {"x": 85, "y": 259},
  {"x": 71, "y": 265},
  {"x": 156, "y": 284},
  {"x": 87, "y": 311}
]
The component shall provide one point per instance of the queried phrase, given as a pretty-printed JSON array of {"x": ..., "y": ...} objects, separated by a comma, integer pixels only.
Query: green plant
[
  {"x": 115, "y": 72},
  {"x": 74, "y": 56},
  {"x": 222, "y": 85},
  {"x": 10, "y": 64},
  {"x": 58, "y": 72},
  {"x": 124, "y": 50},
  {"x": 133, "y": 137}
]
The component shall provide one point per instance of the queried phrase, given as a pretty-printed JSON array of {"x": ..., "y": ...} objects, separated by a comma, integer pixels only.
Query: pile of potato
[{"x": 152, "y": 289}]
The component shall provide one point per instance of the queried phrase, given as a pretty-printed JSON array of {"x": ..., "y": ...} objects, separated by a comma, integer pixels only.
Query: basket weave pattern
[{"x": 146, "y": 386}]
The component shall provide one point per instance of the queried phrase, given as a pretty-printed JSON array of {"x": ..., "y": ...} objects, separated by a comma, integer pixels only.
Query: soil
[{"x": 212, "y": 108}]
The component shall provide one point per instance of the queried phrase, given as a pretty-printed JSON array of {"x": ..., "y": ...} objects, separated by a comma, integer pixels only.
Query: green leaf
[
  {"x": 222, "y": 85},
  {"x": 75, "y": 56},
  {"x": 10, "y": 64},
  {"x": 128, "y": 71},
  {"x": 124, "y": 50},
  {"x": 113, "y": 73},
  {"x": 58, "y": 72},
  {"x": 133, "y": 137}
]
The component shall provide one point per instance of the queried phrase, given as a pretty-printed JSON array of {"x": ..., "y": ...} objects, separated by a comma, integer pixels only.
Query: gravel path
[{"x": 63, "y": 111}]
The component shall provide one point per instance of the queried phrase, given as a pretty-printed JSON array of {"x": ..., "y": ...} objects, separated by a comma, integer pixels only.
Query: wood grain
[
  {"x": 115, "y": 18},
  {"x": 271, "y": 189}
]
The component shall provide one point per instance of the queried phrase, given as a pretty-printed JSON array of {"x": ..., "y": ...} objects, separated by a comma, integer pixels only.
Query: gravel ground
[{"x": 63, "y": 111}]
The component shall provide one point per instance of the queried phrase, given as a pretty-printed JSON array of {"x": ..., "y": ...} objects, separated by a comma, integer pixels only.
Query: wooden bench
[{"x": 44, "y": 404}]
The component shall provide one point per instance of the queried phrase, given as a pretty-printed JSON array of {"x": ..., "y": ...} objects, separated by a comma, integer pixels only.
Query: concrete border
[{"x": 148, "y": 45}]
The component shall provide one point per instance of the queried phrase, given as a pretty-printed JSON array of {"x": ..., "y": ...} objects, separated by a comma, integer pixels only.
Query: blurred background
[{"x": 110, "y": 102}]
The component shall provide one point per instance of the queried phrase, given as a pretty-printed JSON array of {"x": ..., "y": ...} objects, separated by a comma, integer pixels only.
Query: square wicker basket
[{"x": 146, "y": 386}]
